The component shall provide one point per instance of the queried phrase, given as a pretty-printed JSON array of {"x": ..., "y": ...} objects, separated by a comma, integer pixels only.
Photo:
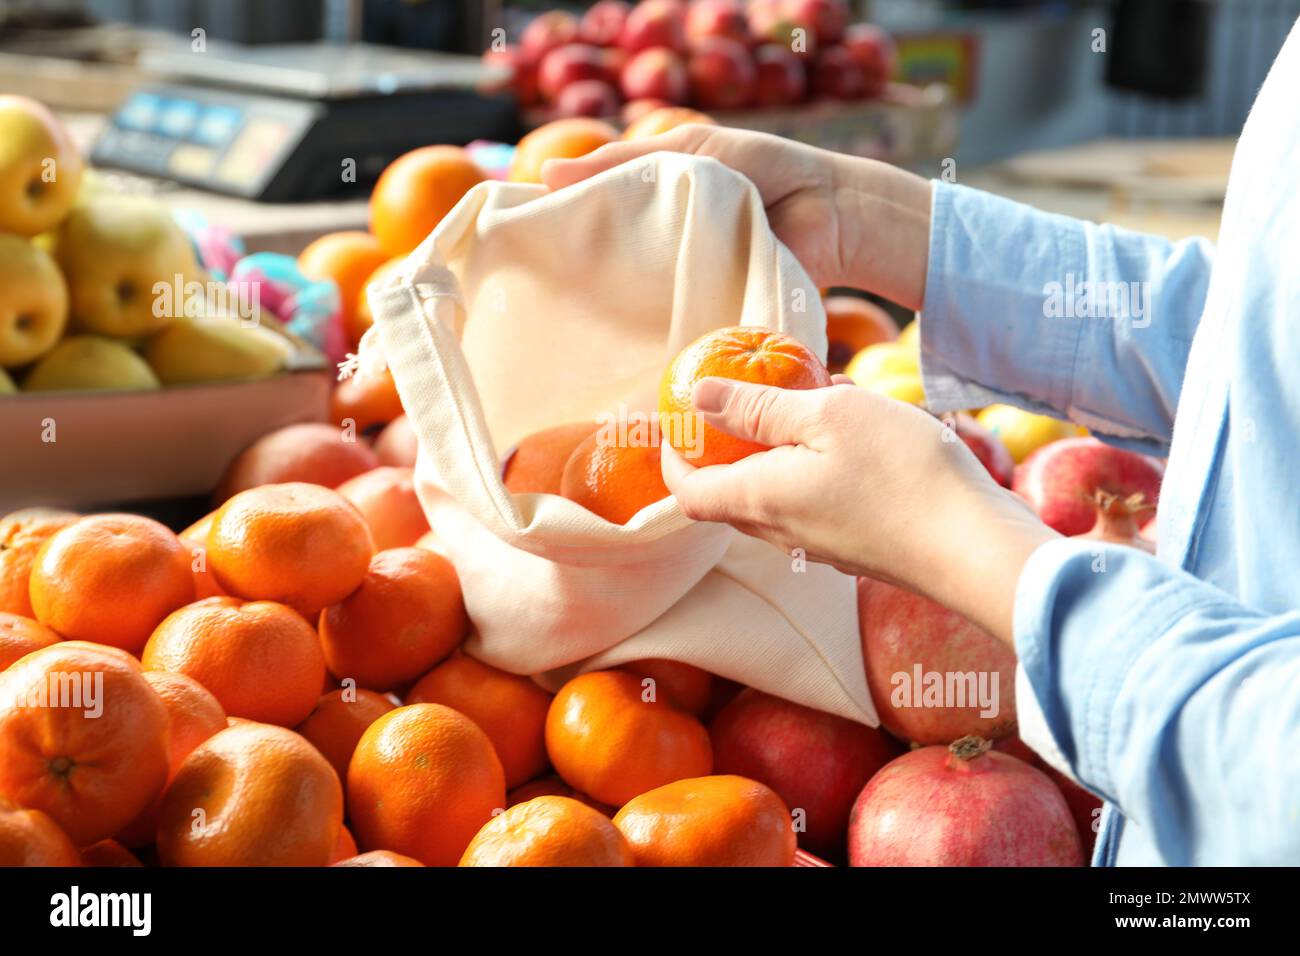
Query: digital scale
[{"x": 279, "y": 123}]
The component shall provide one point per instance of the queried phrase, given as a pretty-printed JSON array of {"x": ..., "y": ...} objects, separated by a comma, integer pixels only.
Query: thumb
[{"x": 761, "y": 413}]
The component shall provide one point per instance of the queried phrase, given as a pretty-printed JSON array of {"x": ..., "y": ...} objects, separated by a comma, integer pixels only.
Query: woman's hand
[
  {"x": 867, "y": 484},
  {"x": 848, "y": 221}
]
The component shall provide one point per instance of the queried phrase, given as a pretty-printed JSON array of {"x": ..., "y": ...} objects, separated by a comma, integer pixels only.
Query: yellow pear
[
  {"x": 40, "y": 167},
  {"x": 215, "y": 350},
  {"x": 33, "y": 302},
  {"x": 1023, "y": 432},
  {"x": 90, "y": 363},
  {"x": 882, "y": 360},
  {"x": 123, "y": 256},
  {"x": 7, "y": 386},
  {"x": 905, "y": 388}
]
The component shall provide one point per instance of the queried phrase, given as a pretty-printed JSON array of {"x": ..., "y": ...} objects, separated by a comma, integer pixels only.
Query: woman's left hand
[{"x": 867, "y": 484}]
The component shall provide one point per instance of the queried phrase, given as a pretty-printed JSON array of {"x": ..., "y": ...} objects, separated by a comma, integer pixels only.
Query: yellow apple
[
  {"x": 90, "y": 363},
  {"x": 40, "y": 167},
  {"x": 215, "y": 350},
  {"x": 905, "y": 388},
  {"x": 33, "y": 302},
  {"x": 7, "y": 386},
  {"x": 1023, "y": 432},
  {"x": 882, "y": 360},
  {"x": 117, "y": 253},
  {"x": 911, "y": 335}
]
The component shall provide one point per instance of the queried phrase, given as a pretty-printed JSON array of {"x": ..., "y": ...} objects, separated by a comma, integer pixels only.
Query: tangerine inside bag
[{"x": 526, "y": 309}]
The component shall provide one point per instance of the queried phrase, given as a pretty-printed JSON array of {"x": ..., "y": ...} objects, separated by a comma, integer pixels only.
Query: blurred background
[{"x": 261, "y": 129}]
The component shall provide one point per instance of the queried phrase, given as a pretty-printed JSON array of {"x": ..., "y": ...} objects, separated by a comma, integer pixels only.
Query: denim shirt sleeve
[
  {"x": 1166, "y": 696},
  {"x": 1058, "y": 316}
]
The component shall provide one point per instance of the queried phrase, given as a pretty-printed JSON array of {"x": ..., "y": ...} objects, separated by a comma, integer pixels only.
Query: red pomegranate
[
  {"x": 1117, "y": 520},
  {"x": 962, "y": 805},
  {"x": 988, "y": 447},
  {"x": 1060, "y": 480},
  {"x": 934, "y": 676},
  {"x": 816, "y": 762}
]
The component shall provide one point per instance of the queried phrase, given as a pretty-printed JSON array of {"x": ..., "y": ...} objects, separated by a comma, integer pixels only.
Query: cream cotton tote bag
[{"x": 526, "y": 309}]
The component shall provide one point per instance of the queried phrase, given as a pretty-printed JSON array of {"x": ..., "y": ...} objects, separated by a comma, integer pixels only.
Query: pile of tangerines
[{"x": 270, "y": 687}]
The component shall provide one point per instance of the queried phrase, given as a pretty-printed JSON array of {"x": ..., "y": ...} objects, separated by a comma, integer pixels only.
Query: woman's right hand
[{"x": 848, "y": 221}]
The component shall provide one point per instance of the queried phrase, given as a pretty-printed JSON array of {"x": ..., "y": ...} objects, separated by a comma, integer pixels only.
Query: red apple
[
  {"x": 569, "y": 64},
  {"x": 988, "y": 448},
  {"x": 837, "y": 75},
  {"x": 934, "y": 676},
  {"x": 816, "y": 762},
  {"x": 723, "y": 74},
  {"x": 828, "y": 18},
  {"x": 717, "y": 18},
  {"x": 658, "y": 74},
  {"x": 546, "y": 32},
  {"x": 602, "y": 24},
  {"x": 654, "y": 23},
  {"x": 1059, "y": 480},
  {"x": 523, "y": 74},
  {"x": 875, "y": 53},
  {"x": 769, "y": 23},
  {"x": 588, "y": 98},
  {"x": 782, "y": 80}
]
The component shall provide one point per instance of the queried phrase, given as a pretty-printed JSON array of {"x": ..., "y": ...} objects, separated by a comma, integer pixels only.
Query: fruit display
[
  {"x": 102, "y": 291},
  {"x": 709, "y": 54},
  {"x": 295, "y": 677}
]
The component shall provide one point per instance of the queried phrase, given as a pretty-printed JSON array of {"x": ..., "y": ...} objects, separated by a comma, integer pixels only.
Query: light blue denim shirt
[{"x": 1170, "y": 685}]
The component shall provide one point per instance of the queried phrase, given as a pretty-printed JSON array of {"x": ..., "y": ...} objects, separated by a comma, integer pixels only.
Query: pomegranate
[
  {"x": 817, "y": 762},
  {"x": 722, "y": 73},
  {"x": 828, "y": 18},
  {"x": 1060, "y": 480},
  {"x": 656, "y": 74},
  {"x": 546, "y": 32},
  {"x": 654, "y": 23},
  {"x": 1084, "y": 806},
  {"x": 962, "y": 805},
  {"x": 588, "y": 98},
  {"x": 1117, "y": 520},
  {"x": 874, "y": 51},
  {"x": 782, "y": 78},
  {"x": 836, "y": 75},
  {"x": 717, "y": 18},
  {"x": 933, "y": 675},
  {"x": 988, "y": 448},
  {"x": 571, "y": 64}
]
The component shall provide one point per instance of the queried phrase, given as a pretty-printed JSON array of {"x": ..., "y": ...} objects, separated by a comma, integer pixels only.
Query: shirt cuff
[{"x": 985, "y": 334}]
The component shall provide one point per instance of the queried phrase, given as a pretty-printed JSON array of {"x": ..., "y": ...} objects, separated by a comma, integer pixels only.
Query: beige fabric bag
[{"x": 524, "y": 310}]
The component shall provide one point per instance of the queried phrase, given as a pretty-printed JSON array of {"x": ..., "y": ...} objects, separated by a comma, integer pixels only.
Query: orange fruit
[
  {"x": 613, "y": 481},
  {"x": 110, "y": 579},
  {"x": 379, "y": 858},
  {"x": 339, "y": 720},
  {"x": 606, "y": 740},
  {"x": 197, "y": 533},
  {"x": 21, "y": 535},
  {"x": 552, "y": 786},
  {"x": 205, "y": 582},
  {"x": 747, "y": 354},
  {"x": 423, "y": 781},
  {"x": 509, "y": 708},
  {"x": 259, "y": 659},
  {"x": 19, "y": 636},
  {"x": 251, "y": 795},
  {"x": 852, "y": 324},
  {"x": 685, "y": 686},
  {"x": 548, "y": 831},
  {"x": 95, "y": 755},
  {"x": 558, "y": 139},
  {"x": 348, "y": 258},
  {"x": 397, "y": 445},
  {"x": 386, "y": 499},
  {"x": 366, "y": 399},
  {"x": 313, "y": 452},
  {"x": 663, "y": 119},
  {"x": 708, "y": 821},
  {"x": 108, "y": 853},
  {"x": 378, "y": 279},
  {"x": 536, "y": 464},
  {"x": 31, "y": 838},
  {"x": 345, "y": 847},
  {"x": 406, "y": 615},
  {"x": 298, "y": 544},
  {"x": 193, "y": 715},
  {"x": 414, "y": 193}
]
